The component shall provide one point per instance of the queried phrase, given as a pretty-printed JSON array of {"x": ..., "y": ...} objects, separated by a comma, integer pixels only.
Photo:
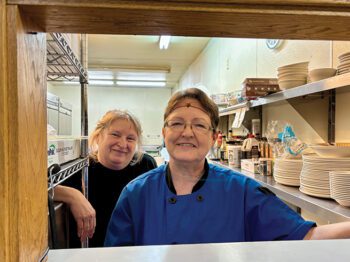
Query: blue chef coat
[{"x": 229, "y": 207}]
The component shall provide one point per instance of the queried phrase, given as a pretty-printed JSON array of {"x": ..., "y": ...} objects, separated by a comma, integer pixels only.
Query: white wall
[
  {"x": 225, "y": 63},
  {"x": 147, "y": 104}
]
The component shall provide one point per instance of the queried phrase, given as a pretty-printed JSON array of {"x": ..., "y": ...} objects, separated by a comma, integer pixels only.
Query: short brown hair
[
  {"x": 106, "y": 121},
  {"x": 208, "y": 105}
]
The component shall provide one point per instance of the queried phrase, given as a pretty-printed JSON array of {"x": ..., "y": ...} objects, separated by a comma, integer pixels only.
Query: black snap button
[
  {"x": 199, "y": 198},
  {"x": 172, "y": 200},
  {"x": 174, "y": 243}
]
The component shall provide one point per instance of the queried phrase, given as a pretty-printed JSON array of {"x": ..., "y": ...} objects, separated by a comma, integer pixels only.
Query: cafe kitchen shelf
[
  {"x": 66, "y": 171},
  {"x": 62, "y": 64}
]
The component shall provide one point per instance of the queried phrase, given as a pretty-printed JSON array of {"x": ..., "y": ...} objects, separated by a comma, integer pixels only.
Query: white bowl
[
  {"x": 344, "y": 55},
  {"x": 296, "y": 65},
  {"x": 292, "y": 75},
  {"x": 286, "y": 84},
  {"x": 331, "y": 151},
  {"x": 292, "y": 71},
  {"x": 321, "y": 73}
]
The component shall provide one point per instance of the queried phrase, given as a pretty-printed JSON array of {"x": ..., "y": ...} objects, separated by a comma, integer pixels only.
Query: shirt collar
[{"x": 196, "y": 187}]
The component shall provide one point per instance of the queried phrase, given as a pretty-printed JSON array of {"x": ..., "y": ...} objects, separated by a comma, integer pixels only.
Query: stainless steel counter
[
  {"x": 286, "y": 251},
  {"x": 327, "y": 209}
]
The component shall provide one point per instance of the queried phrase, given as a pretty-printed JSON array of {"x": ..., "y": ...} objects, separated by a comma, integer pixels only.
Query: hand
[{"x": 84, "y": 214}]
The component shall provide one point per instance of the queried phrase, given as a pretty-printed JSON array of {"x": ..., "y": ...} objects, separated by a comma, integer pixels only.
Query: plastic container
[{"x": 234, "y": 155}]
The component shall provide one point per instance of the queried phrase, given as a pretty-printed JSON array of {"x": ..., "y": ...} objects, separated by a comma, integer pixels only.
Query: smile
[
  {"x": 186, "y": 144},
  {"x": 119, "y": 151}
]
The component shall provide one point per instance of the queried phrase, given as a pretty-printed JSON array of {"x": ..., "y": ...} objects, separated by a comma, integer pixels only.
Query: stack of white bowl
[
  {"x": 287, "y": 171},
  {"x": 340, "y": 187},
  {"x": 292, "y": 75},
  {"x": 344, "y": 64}
]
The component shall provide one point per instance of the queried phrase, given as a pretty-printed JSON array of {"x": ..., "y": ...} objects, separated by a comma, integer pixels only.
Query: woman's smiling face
[
  {"x": 191, "y": 143},
  {"x": 117, "y": 144}
]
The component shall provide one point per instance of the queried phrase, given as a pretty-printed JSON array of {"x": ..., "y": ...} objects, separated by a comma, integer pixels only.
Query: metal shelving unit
[
  {"x": 66, "y": 171},
  {"x": 300, "y": 91},
  {"x": 297, "y": 96},
  {"x": 233, "y": 109},
  {"x": 328, "y": 209},
  {"x": 62, "y": 64},
  {"x": 304, "y": 90}
]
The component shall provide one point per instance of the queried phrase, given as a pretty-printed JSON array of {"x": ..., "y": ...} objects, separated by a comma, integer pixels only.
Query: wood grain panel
[
  {"x": 26, "y": 150},
  {"x": 237, "y": 23},
  {"x": 134, "y": 3},
  {"x": 4, "y": 171}
]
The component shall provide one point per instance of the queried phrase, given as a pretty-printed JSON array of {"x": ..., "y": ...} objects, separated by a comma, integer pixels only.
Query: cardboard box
[
  {"x": 60, "y": 151},
  {"x": 250, "y": 91},
  {"x": 250, "y": 165},
  {"x": 261, "y": 81}
]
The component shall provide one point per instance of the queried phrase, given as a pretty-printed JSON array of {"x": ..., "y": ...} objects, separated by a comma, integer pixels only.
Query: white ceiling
[{"x": 125, "y": 51}]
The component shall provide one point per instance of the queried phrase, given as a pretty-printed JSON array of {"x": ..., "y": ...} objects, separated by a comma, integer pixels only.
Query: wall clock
[{"x": 273, "y": 43}]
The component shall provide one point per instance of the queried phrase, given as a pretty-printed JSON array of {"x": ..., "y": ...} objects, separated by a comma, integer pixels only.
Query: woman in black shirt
[{"x": 115, "y": 160}]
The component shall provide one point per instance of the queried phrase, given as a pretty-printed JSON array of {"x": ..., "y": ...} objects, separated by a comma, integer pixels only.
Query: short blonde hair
[{"x": 105, "y": 122}]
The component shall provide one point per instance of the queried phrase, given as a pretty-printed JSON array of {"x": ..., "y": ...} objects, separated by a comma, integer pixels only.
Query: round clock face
[{"x": 273, "y": 43}]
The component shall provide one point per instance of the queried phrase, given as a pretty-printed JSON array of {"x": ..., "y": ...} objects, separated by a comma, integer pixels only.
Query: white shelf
[
  {"x": 232, "y": 109},
  {"x": 311, "y": 88},
  {"x": 328, "y": 209},
  {"x": 308, "y": 89}
]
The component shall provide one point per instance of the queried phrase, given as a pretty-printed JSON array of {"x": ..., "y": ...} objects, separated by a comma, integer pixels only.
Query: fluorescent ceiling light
[
  {"x": 101, "y": 75},
  {"x": 164, "y": 41},
  {"x": 142, "y": 83},
  {"x": 101, "y": 82},
  {"x": 141, "y": 76},
  {"x": 69, "y": 83},
  {"x": 129, "y": 68}
]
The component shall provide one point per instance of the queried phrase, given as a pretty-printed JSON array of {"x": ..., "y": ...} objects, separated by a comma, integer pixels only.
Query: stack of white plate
[
  {"x": 340, "y": 187},
  {"x": 292, "y": 75},
  {"x": 344, "y": 63},
  {"x": 314, "y": 177},
  {"x": 287, "y": 171}
]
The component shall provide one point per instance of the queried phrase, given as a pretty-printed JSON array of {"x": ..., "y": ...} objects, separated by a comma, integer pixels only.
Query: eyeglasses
[{"x": 197, "y": 126}]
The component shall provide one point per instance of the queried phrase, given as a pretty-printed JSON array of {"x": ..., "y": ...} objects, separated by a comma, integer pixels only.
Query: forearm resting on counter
[
  {"x": 83, "y": 212},
  {"x": 331, "y": 231}
]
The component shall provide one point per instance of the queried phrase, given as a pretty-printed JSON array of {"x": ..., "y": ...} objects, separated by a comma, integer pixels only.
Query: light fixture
[
  {"x": 141, "y": 83},
  {"x": 128, "y": 75},
  {"x": 128, "y": 68},
  {"x": 164, "y": 41},
  {"x": 101, "y": 82}
]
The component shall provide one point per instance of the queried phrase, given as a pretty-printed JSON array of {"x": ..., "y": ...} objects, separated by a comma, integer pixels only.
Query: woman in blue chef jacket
[{"x": 190, "y": 201}]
